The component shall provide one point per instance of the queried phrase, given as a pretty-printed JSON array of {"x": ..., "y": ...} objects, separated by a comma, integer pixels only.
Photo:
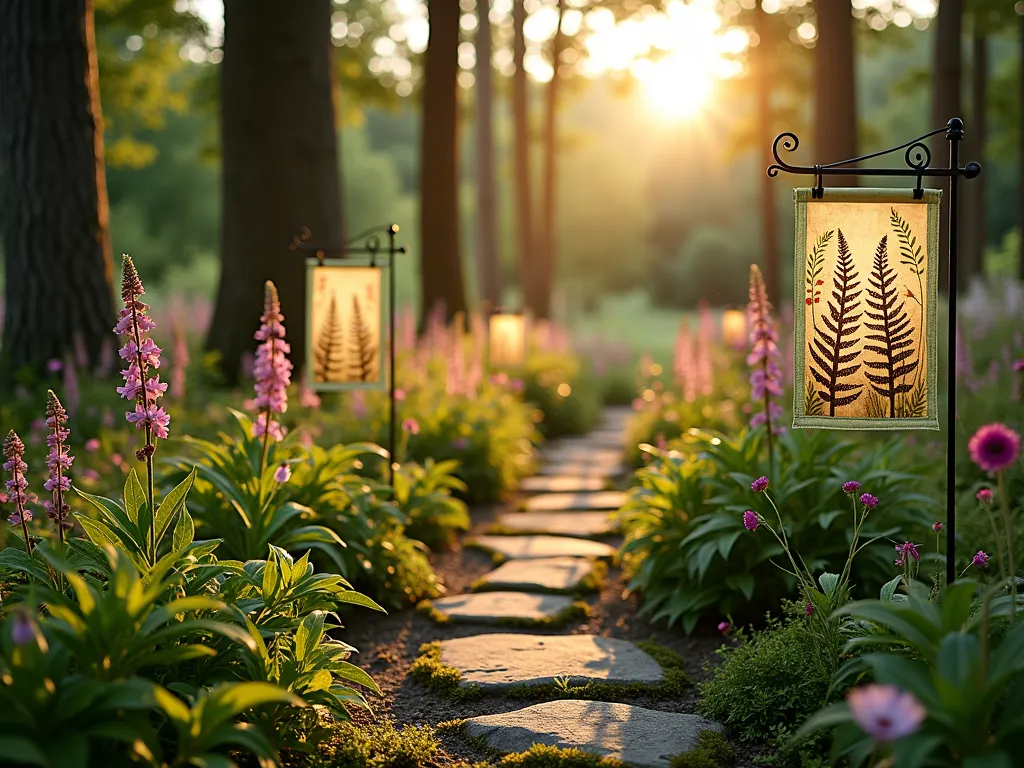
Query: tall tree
[
  {"x": 441, "y": 280},
  {"x": 488, "y": 258},
  {"x": 54, "y": 196},
  {"x": 835, "y": 84},
  {"x": 763, "y": 63},
  {"x": 539, "y": 298},
  {"x": 280, "y": 164},
  {"x": 521, "y": 149},
  {"x": 946, "y": 81},
  {"x": 974, "y": 253}
]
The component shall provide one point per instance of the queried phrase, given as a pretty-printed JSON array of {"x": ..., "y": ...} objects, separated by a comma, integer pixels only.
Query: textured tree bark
[
  {"x": 488, "y": 258},
  {"x": 54, "y": 196},
  {"x": 974, "y": 253},
  {"x": 543, "y": 277},
  {"x": 280, "y": 161},
  {"x": 521, "y": 150},
  {"x": 764, "y": 63},
  {"x": 441, "y": 280},
  {"x": 946, "y": 77},
  {"x": 835, "y": 85}
]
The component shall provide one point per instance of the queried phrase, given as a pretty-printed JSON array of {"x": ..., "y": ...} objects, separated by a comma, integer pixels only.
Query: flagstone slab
[
  {"x": 589, "y": 453},
  {"x": 547, "y": 574},
  {"x": 496, "y": 607},
  {"x": 583, "y": 525},
  {"x": 563, "y": 484},
  {"x": 644, "y": 738},
  {"x": 557, "y": 502},
  {"x": 533, "y": 547},
  {"x": 582, "y": 469},
  {"x": 501, "y": 660}
]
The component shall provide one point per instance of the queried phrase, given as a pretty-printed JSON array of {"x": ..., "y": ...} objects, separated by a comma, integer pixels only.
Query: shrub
[
  {"x": 424, "y": 494},
  {"x": 564, "y": 392},
  {"x": 712, "y": 751}
]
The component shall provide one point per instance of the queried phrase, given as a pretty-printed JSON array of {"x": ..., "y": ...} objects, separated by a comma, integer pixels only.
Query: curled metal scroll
[{"x": 917, "y": 156}]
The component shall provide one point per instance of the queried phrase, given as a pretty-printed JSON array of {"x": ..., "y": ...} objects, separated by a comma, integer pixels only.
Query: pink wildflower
[
  {"x": 13, "y": 450},
  {"x": 851, "y": 486},
  {"x": 724, "y": 627},
  {"x": 58, "y": 461},
  {"x": 759, "y": 485},
  {"x": 868, "y": 500},
  {"x": 937, "y": 527},
  {"x": 980, "y": 559},
  {"x": 283, "y": 473},
  {"x": 994, "y": 447},
  {"x": 884, "y": 712},
  {"x": 905, "y": 550},
  {"x": 411, "y": 426},
  {"x": 92, "y": 444},
  {"x": 272, "y": 368},
  {"x": 985, "y": 495},
  {"x": 751, "y": 520}
]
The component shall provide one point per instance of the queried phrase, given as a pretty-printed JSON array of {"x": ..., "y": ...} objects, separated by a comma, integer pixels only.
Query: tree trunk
[
  {"x": 280, "y": 165},
  {"x": 544, "y": 274},
  {"x": 488, "y": 260},
  {"x": 521, "y": 152},
  {"x": 764, "y": 66},
  {"x": 54, "y": 192},
  {"x": 946, "y": 104},
  {"x": 835, "y": 85},
  {"x": 441, "y": 281},
  {"x": 974, "y": 265},
  {"x": 1020, "y": 147}
]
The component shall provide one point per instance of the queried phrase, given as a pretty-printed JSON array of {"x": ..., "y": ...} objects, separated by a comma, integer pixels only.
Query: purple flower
[
  {"x": 868, "y": 500},
  {"x": 1018, "y": 366},
  {"x": 765, "y": 376},
  {"x": 759, "y": 485},
  {"x": 808, "y": 610},
  {"x": 851, "y": 486},
  {"x": 308, "y": 398},
  {"x": 22, "y": 630},
  {"x": 411, "y": 426},
  {"x": 54, "y": 365},
  {"x": 884, "y": 712},
  {"x": 724, "y": 627},
  {"x": 13, "y": 450},
  {"x": 906, "y": 549},
  {"x": 92, "y": 444},
  {"x": 751, "y": 520},
  {"x": 142, "y": 354},
  {"x": 58, "y": 462},
  {"x": 283, "y": 473},
  {"x": 980, "y": 559},
  {"x": 272, "y": 368},
  {"x": 994, "y": 447},
  {"x": 985, "y": 495},
  {"x": 937, "y": 526}
]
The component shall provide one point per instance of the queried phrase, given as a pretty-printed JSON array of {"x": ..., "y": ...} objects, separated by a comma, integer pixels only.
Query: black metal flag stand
[
  {"x": 918, "y": 159},
  {"x": 368, "y": 244}
]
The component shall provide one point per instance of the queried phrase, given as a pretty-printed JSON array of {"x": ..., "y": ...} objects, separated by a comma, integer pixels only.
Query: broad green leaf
[
  {"x": 172, "y": 504},
  {"x": 889, "y": 589},
  {"x": 184, "y": 531},
  {"x": 828, "y": 582},
  {"x": 308, "y": 635},
  {"x": 134, "y": 496},
  {"x": 18, "y": 749},
  {"x": 229, "y": 700}
]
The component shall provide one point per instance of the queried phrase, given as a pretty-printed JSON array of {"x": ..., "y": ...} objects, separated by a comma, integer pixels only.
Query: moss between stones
[
  {"x": 537, "y": 756},
  {"x": 444, "y": 680},
  {"x": 712, "y": 751},
  {"x": 589, "y": 584},
  {"x": 376, "y": 745},
  {"x": 496, "y": 557},
  {"x": 576, "y": 610},
  {"x": 504, "y": 530}
]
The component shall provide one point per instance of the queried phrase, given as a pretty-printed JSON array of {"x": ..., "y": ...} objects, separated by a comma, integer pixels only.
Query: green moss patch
[
  {"x": 378, "y": 745},
  {"x": 577, "y": 610},
  {"x": 712, "y": 751}
]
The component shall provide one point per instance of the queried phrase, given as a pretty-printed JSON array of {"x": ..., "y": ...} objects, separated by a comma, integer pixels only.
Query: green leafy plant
[{"x": 424, "y": 494}]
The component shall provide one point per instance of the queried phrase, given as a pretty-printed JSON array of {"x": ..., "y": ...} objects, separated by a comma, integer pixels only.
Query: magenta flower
[
  {"x": 54, "y": 365},
  {"x": 884, "y": 712},
  {"x": 22, "y": 630},
  {"x": 1018, "y": 366},
  {"x": 58, "y": 462},
  {"x": 937, "y": 526},
  {"x": 411, "y": 426},
  {"x": 759, "y": 485},
  {"x": 907, "y": 549},
  {"x": 980, "y": 559},
  {"x": 994, "y": 447},
  {"x": 808, "y": 610},
  {"x": 724, "y": 627},
  {"x": 272, "y": 368},
  {"x": 868, "y": 500},
  {"x": 92, "y": 444},
  {"x": 142, "y": 354},
  {"x": 851, "y": 486},
  {"x": 751, "y": 520},
  {"x": 283, "y": 473},
  {"x": 13, "y": 450},
  {"x": 985, "y": 495},
  {"x": 399, "y": 395}
]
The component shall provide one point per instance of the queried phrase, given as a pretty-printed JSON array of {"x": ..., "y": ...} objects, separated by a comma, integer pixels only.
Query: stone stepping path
[
  {"x": 546, "y": 574},
  {"x": 533, "y": 547},
  {"x": 561, "y": 502},
  {"x": 578, "y": 468},
  {"x": 640, "y": 737},
  {"x": 582, "y": 453},
  {"x": 563, "y": 484},
  {"x": 499, "y": 607},
  {"x": 496, "y": 661},
  {"x": 583, "y": 525}
]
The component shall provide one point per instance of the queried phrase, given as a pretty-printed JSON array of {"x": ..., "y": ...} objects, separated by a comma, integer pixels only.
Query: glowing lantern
[
  {"x": 345, "y": 317},
  {"x": 734, "y": 328},
  {"x": 866, "y": 298},
  {"x": 507, "y": 340}
]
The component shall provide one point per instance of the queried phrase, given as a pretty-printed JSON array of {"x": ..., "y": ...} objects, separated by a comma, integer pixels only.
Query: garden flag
[
  {"x": 344, "y": 325},
  {"x": 866, "y": 297}
]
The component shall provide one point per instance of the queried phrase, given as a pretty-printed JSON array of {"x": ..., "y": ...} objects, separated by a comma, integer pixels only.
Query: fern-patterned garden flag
[
  {"x": 344, "y": 325},
  {"x": 866, "y": 297}
]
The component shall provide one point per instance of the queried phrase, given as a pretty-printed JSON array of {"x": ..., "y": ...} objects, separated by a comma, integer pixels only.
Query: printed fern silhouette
[
  {"x": 812, "y": 403},
  {"x": 914, "y": 404},
  {"x": 363, "y": 352},
  {"x": 329, "y": 353},
  {"x": 893, "y": 331},
  {"x": 910, "y": 252},
  {"x": 830, "y": 341},
  {"x": 815, "y": 265}
]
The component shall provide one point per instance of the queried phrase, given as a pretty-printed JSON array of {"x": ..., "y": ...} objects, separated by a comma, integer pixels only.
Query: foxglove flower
[
  {"x": 141, "y": 354},
  {"x": 272, "y": 368},
  {"x": 751, "y": 520},
  {"x": 13, "y": 450},
  {"x": 884, "y": 712},
  {"x": 994, "y": 447},
  {"x": 985, "y": 495},
  {"x": 58, "y": 462},
  {"x": 765, "y": 376}
]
